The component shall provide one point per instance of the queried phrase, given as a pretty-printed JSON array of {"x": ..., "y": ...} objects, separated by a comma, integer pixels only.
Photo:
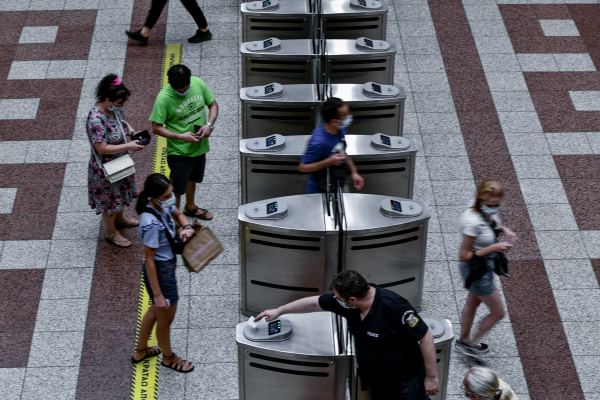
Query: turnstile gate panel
[
  {"x": 285, "y": 259},
  {"x": 292, "y": 19},
  {"x": 372, "y": 114},
  {"x": 309, "y": 365},
  {"x": 387, "y": 251},
  {"x": 341, "y": 21},
  {"x": 275, "y": 174},
  {"x": 295, "y": 112},
  {"x": 295, "y": 62},
  {"x": 348, "y": 62}
]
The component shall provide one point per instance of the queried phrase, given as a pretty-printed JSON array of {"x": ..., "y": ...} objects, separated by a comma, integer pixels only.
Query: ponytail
[{"x": 155, "y": 186}]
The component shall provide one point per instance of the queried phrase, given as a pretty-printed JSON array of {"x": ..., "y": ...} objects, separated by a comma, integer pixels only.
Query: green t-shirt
[{"x": 181, "y": 113}]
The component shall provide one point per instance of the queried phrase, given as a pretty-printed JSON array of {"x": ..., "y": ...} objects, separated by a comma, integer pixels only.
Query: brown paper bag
[{"x": 202, "y": 248}]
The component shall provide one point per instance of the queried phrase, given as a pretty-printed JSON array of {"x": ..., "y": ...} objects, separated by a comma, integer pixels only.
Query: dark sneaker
[
  {"x": 137, "y": 36},
  {"x": 200, "y": 36},
  {"x": 474, "y": 350}
]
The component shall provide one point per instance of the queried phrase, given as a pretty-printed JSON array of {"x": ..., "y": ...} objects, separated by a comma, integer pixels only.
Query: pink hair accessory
[{"x": 116, "y": 82}]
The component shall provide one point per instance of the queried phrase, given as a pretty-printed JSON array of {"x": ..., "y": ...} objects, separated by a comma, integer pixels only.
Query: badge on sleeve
[{"x": 410, "y": 319}]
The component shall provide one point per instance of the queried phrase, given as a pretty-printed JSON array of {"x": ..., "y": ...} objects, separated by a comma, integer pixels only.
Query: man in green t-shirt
[{"x": 181, "y": 107}]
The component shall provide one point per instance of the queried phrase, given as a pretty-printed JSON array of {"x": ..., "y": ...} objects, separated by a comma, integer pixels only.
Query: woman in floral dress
[{"x": 107, "y": 198}]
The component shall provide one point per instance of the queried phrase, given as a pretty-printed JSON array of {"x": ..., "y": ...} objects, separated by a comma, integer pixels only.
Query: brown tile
[
  {"x": 484, "y": 144},
  {"x": 526, "y": 248},
  {"x": 586, "y": 166},
  {"x": 527, "y": 275},
  {"x": 452, "y": 44},
  {"x": 566, "y": 44},
  {"x": 578, "y": 190},
  {"x": 43, "y": 18},
  {"x": 469, "y": 64},
  {"x": 516, "y": 217},
  {"x": 561, "y": 121},
  {"x": 10, "y": 175},
  {"x": 21, "y": 290},
  {"x": 527, "y": 306},
  {"x": 589, "y": 120},
  {"x": 552, "y": 11},
  {"x": 493, "y": 166},
  {"x": 22, "y": 89},
  {"x": 52, "y": 129},
  {"x": 476, "y": 122},
  {"x": 110, "y": 346},
  {"x": 74, "y": 34},
  {"x": 38, "y": 199},
  {"x": 4, "y": 68},
  {"x": 550, "y": 100},
  {"x": 587, "y": 18},
  {"x": 474, "y": 100},
  {"x": 445, "y": 28},
  {"x": 530, "y": 44},
  {"x": 78, "y": 17},
  {"x": 13, "y": 18},
  {"x": 7, "y": 52},
  {"x": 535, "y": 338},
  {"x": 16, "y": 129},
  {"x": 10, "y": 34},
  {"x": 581, "y": 80},
  {"x": 31, "y": 226},
  {"x": 545, "y": 81},
  {"x": 42, "y": 175},
  {"x": 62, "y": 88},
  {"x": 4, "y": 218},
  {"x": 17, "y": 345},
  {"x": 143, "y": 52},
  {"x": 104, "y": 381},
  {"x": 542, "y": 372},
  {"x": 58, "y": 108},
  {"x": 596, "y": 266},
  {"x": 33, "y": 52},
  {"x": 69, "y": 51},
  {"x": 587, "y": 214}
]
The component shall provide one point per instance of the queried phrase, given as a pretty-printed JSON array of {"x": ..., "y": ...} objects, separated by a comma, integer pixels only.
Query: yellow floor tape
[{"x": 144, "y": 382}]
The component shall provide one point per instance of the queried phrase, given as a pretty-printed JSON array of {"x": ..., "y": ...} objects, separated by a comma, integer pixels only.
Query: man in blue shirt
[{"x": 320, "y": 152}]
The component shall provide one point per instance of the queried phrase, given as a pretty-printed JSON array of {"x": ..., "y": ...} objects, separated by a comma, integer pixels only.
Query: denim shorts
[
  {"x": 165, "y": 271},
  {"x": 485, "y": 285}
]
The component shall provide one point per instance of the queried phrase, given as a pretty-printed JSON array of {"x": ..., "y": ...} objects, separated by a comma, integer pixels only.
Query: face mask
[
  {"x": 347, "y": 121},
  {"x": 115, "y": 108},
  {"x": 490, "y": 211},
  {"x": 341, "y": 303},
  {"x": 182, "y": 94},
  {"x": 167, "y": 203}
]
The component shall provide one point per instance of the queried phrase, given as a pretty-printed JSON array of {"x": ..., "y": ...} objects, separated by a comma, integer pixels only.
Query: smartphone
[
  {"x": 143, "y": 137},
  {"x": 196, "y": 129}
]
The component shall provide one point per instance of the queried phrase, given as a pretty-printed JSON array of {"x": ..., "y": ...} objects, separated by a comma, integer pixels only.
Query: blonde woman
[
  {"x": 483, "y": 384},
  {"x": 480, "y": 226}
]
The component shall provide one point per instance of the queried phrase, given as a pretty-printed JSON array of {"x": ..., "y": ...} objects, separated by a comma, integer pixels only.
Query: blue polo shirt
[{"x": 319, "y": 148}]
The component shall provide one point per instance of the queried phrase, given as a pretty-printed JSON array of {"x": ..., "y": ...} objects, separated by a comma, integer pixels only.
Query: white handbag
[{"x": 118, "y": 168}]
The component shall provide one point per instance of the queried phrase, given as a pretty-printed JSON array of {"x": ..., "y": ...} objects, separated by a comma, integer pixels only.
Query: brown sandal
[
  {"x": 128, "y": 223},
  {"x": 150, "y": 352},
  {"x": 192, "y": 213},
  {"x": 118, "y": 243},
  {"x": 177, "y": 363}
]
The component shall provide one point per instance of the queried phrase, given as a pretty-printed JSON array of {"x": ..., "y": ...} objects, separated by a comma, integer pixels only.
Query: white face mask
[
  {"x": 167, "y": 203},
  {"x": 490, "y": 211},
  {"x": 347, "y": 121}
]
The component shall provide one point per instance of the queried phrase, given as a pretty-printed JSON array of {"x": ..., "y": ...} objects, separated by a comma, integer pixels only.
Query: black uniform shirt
[{"x": 386, "y": 340}]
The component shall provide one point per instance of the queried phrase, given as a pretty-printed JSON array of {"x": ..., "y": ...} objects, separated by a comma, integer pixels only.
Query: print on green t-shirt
[{"x": 181, "y": 113}]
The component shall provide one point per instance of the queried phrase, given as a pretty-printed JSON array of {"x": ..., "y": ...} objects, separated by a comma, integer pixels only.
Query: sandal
[
  {"x": 177, "y": 364},
  {"x": 150, "y": 352},
  {"x": 118, "y": 243},
  {"x": 128, "y": 223},
  {"x": 192, "y": 213}
]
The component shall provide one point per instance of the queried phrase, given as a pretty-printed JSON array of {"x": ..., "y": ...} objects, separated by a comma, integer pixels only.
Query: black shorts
[
  {"x": 411, "y": 390},
  {"x": 184, "y": 169}
]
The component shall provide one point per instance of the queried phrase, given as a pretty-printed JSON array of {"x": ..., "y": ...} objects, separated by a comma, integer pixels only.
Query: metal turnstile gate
[
  {"x": 348, "y": 19},
  {"x": 358, "y": 61},
  {"x": 269, "y": 174},
  {"x": 288, "y": 19}
]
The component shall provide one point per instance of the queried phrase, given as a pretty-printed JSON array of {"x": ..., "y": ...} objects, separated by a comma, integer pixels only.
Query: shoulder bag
[
  {"x": 501, "y": 263},
  {"x": 176, "y": 244},
  {"x": 118, "y": 168}
]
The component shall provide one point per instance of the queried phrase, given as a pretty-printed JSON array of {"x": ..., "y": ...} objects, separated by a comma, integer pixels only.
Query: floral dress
[{"x": 107, "y": 197}]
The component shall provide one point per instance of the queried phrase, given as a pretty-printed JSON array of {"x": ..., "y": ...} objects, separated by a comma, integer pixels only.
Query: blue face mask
[
  {"x": 490, "y": 211},
  {"x": 167, "y": 203},
  {"x": 341, "y": 303},
  {"x": 347, "y": 121},
  {"x": 182, "y": 94},
  {"x": 115, "y": 108}
]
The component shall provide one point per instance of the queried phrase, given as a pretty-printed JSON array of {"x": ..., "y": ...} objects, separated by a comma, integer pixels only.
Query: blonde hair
[
  {"x": 485, "y": 383},
  {"x": 487, "y": 190}
]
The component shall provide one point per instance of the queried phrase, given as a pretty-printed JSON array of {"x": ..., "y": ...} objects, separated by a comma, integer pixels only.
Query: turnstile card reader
[
  {"x": 400, "y": 208},
  {"x": 266, "y": 5},
  {"x": 366, "y": 4},
  {"x": 266, "y": 144},
  {"x": 286, "y": 19},
  {"x": 384, "y": 114},
  {"x": 349, "y": 63},
  {"x": 270, "y": 91},
  {"x": 377, "y": 90},
  {"x": 275, "y": 209},
  {"x": 294, "y": 62},
  {"x": 344, "y": 19},
  {"x": 382, "y": 142},
  {"x": 263, "y": 331},
  {"x": 295, "y": 112}
]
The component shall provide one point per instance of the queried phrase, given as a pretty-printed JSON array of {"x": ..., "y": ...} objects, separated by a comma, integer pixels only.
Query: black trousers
[{"x": 190, "y": 5}]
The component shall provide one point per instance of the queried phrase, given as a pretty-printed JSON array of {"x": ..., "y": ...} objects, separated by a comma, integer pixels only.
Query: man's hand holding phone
[{"x": 202, "y": 131}]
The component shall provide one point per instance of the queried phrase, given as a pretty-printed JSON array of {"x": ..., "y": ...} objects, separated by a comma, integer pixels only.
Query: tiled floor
[{"x": 505, "y": 89}]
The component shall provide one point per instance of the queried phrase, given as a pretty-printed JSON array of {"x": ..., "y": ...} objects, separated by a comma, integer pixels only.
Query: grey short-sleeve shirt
[{"x": 473, "y": 224}]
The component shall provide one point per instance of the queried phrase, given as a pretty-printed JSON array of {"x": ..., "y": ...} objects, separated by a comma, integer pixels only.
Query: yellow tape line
[{"x": 144, "y": 382}]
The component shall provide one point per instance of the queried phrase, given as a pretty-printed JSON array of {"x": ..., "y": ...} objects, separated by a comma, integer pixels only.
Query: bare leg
[
  {"x": 190, "y": 192},
  {"x": 494, "y": 303},
  {"x": 147, "y": 323},
  {"x": 109, "y": 223},
  {"x": 468, "y": 314},
  {"x": 145, "y": 31},
  {"x": 164, "y": 319}
]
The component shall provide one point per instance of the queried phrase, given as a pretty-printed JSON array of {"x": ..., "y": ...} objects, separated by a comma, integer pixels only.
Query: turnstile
[
  {"x": 282, "y": 61},
  {"x": 388, "y": 249},
  {"x": 290, "y": 246},
  {"x": 296, "y": 111},
  {"x": 318, "y": 361},
  {"x": 360, "y": 60},
  {"x": 372, "y": 112},
  {"x": 285, "y": 19},
  {"x": 349, "y": 19},
  {"x": 269, "y": 174}
]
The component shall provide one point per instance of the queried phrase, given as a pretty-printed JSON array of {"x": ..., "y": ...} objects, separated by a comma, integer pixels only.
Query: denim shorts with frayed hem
[
  {"x": 485, "y": 285},
  {"x": 165, "y": 272}
]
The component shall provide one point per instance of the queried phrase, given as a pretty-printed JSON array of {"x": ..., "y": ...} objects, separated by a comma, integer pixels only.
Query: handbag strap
[
  {"x": 492, "y": 225},
  {"x": 95, "y": 152},
  {"x": 167, "y": 233}
]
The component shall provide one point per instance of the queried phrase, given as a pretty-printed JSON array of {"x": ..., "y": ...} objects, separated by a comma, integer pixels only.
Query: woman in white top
[
  {"x": 483, "y": 384},
  {"x": 477, "y": 254}
]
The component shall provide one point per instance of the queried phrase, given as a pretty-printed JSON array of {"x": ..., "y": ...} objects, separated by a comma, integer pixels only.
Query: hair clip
[{"x": 116, "y": 82}]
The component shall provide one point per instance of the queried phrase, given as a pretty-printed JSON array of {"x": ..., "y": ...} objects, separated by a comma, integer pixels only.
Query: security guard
[{"x": 396, "y": 352}]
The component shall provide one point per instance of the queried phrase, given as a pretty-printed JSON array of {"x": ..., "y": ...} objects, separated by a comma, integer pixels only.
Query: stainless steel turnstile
[
  {"x": 269, "y": 174},
  {"x": 372, "y": 114},
  {"x": 290, "y": 246},
  {"x": 296, "y": 112},
  {"x": 387, "y": 250},
  {"x": 347, "y": 19},
  {"x": 289, "y": 19},
  {"x": 349, "y": 61},
  {"x": 285, "y": 62}
]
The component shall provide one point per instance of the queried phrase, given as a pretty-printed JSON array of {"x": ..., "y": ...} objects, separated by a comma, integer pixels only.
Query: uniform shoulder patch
[{"x": 410, "y": 319}]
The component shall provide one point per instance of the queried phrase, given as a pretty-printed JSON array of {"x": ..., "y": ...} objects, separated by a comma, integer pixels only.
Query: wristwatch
[{"x": 212, "y": 127}]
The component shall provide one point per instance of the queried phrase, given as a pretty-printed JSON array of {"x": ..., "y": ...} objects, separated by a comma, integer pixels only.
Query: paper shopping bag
[{"x": 202, "y": 248}]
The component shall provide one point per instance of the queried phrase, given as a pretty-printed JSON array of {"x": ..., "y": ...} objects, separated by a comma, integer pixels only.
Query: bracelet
[{"x": 188, "y": 226}]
